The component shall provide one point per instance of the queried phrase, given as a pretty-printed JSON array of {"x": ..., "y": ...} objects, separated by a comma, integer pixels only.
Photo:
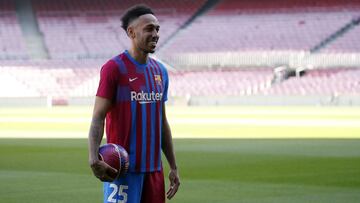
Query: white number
[
  {"x": 111, "y": 196},
  {"x": 121, "y": 193}
]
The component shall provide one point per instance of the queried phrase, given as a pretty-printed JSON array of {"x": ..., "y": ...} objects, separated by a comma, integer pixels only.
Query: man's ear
[{"x": 130, "y": 32}]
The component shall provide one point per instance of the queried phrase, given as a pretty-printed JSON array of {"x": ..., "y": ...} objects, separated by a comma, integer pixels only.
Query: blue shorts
[{"x": 136, "y": 188}]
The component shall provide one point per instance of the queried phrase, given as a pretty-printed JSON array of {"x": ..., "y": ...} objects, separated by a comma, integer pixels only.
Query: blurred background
[
  {"x": 217, "y": 52},
  {"x": 269, "y": 89}
]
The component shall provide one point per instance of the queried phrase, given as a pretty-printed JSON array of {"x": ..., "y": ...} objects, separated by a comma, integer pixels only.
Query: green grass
[
  {"x": 212, "y": 170},
  {"x": 282, "y": 170}
]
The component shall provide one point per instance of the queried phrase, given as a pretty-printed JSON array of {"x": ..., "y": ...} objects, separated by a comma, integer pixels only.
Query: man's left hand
[{"x": 174, "y": 183}]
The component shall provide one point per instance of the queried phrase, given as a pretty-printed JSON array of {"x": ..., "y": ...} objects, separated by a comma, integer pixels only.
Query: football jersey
[{"x": 138, "y": 92}]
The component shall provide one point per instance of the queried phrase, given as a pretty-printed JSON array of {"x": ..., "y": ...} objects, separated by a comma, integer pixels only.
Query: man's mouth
[{"x": 153, "y": 44}]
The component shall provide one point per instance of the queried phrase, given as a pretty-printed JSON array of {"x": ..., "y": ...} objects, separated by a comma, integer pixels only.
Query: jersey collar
[{"x": 134, "y": 61}]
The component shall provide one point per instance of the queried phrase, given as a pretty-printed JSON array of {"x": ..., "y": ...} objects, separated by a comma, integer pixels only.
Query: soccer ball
[{"x": 116, "y": 156}]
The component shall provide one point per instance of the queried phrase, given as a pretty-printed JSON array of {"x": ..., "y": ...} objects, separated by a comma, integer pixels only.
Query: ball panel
[{"x": 116, "y": 156}]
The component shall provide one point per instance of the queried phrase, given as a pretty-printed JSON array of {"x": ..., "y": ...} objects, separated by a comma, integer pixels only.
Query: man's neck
[{"x": 140, "y": 56}]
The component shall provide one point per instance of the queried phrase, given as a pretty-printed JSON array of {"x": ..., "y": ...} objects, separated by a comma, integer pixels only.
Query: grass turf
[{"x": 212, "y": 170}]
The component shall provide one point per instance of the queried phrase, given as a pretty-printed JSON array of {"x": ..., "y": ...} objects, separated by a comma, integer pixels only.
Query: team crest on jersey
[{"x": 158, "y": 79}]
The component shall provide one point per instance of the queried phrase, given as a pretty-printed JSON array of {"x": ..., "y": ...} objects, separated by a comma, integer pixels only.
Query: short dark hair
[{"x": 134, "y": 12}]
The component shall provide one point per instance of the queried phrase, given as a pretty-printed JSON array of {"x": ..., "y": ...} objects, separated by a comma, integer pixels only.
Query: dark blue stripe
[
  {"x": 161, "y": 133},
  {"x": 144, "y": 129},
  {"x": 153, "y": 117},
  {"x": 152, "y": 140},
  {"x": 133, "y": 136},
  {"x": 123, "y": 94},
  {"x": 120, "y": 64},
  {"x": 165, "y": 81}
]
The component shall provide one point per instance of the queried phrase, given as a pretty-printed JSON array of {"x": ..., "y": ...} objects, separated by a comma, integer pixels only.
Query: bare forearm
[
  {"x": 167, "y": 145},
  {"x": 95, "y": 136}
]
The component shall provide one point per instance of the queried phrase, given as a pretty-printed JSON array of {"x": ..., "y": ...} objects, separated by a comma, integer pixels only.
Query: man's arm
[
  {"x": 100, "y": 169},
  {"x": 168, "y": 149}
]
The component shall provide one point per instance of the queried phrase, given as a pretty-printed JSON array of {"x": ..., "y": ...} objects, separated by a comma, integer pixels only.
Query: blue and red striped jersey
[{"x": 138, "y": 92}]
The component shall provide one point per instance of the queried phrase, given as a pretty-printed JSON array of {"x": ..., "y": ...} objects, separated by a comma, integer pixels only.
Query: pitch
[
  {"x": 300, "y": 154},
  {"x": 212, "y": 170}
]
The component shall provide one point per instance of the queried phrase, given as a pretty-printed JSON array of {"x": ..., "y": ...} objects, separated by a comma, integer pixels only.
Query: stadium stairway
[
  {"x": 208, "y": 5},
  {"x": 33, "y": 37},
  {"x": 334, "y": 36}
]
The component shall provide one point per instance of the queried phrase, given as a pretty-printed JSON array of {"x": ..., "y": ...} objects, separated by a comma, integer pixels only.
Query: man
[{"x": 131, "y": 97}]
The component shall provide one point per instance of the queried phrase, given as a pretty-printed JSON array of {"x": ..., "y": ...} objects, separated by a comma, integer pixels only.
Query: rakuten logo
[{"x": 144, "y": 97}]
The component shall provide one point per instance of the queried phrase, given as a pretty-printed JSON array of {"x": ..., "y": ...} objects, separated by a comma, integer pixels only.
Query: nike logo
[{"x": 132, "y": 79}]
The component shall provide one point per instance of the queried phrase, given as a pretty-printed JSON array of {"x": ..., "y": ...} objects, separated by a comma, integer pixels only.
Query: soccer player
[{"x": 131, "y": 99}]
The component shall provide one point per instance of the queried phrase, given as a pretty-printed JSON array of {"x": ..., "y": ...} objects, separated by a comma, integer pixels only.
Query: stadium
[{"x": 264, "y": 97}]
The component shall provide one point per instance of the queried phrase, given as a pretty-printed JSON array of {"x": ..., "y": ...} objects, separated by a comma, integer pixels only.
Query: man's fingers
[
  {"x": 111, "y": 171},
  {"x": 174, "y": 184},
  {"x": 172, "y": 191},
  {"x": 106, "y": 178},
  {"x": 104, "y": 172}
]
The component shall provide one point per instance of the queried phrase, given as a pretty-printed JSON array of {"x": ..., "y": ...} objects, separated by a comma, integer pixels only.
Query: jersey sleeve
[
  {"x": 108, "y": 81},
  {"x": 166, "y": 81}
]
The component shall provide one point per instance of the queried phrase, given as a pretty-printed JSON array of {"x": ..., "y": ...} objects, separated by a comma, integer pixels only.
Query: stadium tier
[
  {"x": 327, "y": 82},
  {"x": 62, "y": 80},
  {"x": 334, "y": 82},
  {"x": 81, "y": 79},
  {"x": 287, "y": 6},
  {"x": 348, "y": 43},
  {"x": 92, "y": 29},
  {"x": 223, "y": 82},
  {"x": 12, "y": 45},
  {"x": 238, "y": 26}
]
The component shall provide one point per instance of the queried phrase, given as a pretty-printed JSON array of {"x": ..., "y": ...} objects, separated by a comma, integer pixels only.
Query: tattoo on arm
[
  {"x": 96, "y": 128},
  {"x": 95, "y": 136}
]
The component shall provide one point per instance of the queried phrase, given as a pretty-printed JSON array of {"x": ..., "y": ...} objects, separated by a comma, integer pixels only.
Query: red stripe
[
  {"x": 148, "y": 136},
  {"x": 157, "y": 120},
  {"x": 157, "y": 135},
  {"x": 149, "y": 78},
  {"x": 148, "y": 123},
  {"x": 138, "y": 137},
  {"x": 125, "y": 126}
]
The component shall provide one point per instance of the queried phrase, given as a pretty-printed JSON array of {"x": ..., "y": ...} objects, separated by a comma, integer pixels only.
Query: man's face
[{"x": 144, "y": 33}]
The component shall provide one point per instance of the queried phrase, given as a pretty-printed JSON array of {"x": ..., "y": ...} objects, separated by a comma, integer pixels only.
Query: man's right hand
[{"x": 103, "y": 171}]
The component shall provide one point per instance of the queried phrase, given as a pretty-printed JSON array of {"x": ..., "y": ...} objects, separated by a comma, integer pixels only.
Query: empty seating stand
[
  {"x": 12, "y": 45},
  {"x": 265, "y": 25},
  {"x": 92, "y": 28}
]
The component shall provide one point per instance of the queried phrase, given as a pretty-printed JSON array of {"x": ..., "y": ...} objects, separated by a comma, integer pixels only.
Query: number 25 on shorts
[{"x": 118, "y": 190}]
